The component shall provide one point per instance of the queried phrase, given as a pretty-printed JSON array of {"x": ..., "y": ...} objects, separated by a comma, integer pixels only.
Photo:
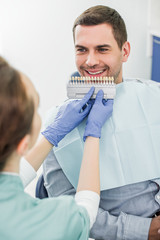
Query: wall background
[{"x": 36, "y": 37}]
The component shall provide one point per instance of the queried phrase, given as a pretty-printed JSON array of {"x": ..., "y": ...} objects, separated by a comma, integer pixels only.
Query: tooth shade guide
[
  {"x": 91, "y": 80},
  {"x": 79, "y": 86}
]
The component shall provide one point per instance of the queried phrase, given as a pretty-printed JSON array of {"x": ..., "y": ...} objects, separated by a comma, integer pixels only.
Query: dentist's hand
[
  {"x": 68, "y": 117},
  {"x": 100, "y": 112}
]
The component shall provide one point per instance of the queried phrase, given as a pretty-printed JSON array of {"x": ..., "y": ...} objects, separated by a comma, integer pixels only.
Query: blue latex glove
[
  {"x": 100, "y": 112},
  {"x": 68, "y": 117}
]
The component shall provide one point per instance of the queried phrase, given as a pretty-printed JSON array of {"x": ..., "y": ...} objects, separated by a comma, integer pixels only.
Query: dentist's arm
[
  {"x": 38, "y": 153},
  {"x": 68, "y": 117},
  {"x": 88, "y": 189},
  {"x": 89, "y": 173}
]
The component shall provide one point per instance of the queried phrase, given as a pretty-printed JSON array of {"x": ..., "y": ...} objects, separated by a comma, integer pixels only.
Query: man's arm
[
  {"x": 55, "y": 181},
  {"x": 121, "y": 227}
]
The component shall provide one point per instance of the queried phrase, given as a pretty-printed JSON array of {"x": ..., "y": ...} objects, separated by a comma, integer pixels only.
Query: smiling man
[
  {"x": 101, "y": 44},
  {"x": 126, "y": 210}
]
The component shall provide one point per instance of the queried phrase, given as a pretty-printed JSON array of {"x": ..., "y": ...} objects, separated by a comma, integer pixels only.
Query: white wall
[{"x": 36, "y": 37}]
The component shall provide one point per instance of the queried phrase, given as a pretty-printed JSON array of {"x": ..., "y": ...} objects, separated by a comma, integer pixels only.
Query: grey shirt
[{"x": 124, "y": 213}]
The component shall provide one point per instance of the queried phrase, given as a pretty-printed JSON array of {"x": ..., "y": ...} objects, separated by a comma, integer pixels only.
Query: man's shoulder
[
  {"x": 50, "y": 115},
  {"x": 144, "y": 81},
  {"x": 52, "y": 112}
]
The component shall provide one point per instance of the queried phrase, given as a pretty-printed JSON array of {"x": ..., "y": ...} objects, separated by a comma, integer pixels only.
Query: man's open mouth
[{"x": 95, "y": 72}]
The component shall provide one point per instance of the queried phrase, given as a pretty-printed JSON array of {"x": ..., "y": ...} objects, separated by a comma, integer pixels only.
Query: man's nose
[{"x": 92, "y": 59}]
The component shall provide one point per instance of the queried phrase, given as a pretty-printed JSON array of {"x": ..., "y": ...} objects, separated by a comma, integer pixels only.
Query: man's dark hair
[{"x": 103, "y": 14}]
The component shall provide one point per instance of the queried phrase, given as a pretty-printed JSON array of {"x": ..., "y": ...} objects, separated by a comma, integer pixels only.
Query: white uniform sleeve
[
  {"x": 27, "y": 172},
  {"x": 89, "y": 200}
]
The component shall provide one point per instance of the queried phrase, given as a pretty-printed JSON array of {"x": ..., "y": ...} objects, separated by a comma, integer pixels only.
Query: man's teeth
[{"x": 94, "y": 73}]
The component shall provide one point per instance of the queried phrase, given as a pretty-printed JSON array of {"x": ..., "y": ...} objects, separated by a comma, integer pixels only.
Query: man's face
[{"x": 97, "y": 52}]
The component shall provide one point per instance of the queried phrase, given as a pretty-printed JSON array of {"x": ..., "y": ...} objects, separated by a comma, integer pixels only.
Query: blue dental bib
[{"x": 130, "y": 140}]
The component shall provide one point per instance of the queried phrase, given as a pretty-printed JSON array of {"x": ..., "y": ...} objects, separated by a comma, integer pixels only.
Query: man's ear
[
  {"x": 23, "y": 145},
  {"x": 126, "y": 51}
]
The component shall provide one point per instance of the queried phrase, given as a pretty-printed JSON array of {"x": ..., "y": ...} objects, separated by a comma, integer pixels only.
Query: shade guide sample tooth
[{"x": 77, "y": 87}]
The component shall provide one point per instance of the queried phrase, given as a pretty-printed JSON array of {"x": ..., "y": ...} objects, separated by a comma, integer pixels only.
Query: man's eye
[
  {"x": 80, "y": 50},
  {"x": 103, "y": 50}
]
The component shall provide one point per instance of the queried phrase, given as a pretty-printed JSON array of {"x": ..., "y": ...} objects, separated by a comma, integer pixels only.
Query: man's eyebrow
[
  {"x": 79, "y": 46},
  {"x": 103, "y": 45},
  {"x": 98, "y": 46}
]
